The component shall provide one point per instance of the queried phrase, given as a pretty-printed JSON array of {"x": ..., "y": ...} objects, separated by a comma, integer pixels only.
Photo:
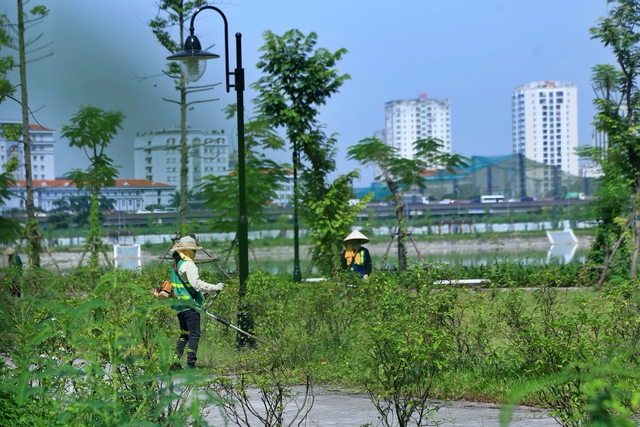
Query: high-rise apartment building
[
  {"x": 409, "y": 120},
  {"x": 157, "y": 156},
  {"x": 545, "y": 123},
  {"x": 42, "y": 158}
]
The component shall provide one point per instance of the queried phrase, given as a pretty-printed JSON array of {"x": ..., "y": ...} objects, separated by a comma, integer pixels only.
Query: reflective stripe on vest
[
  {"x": 182, "y": 293},
  {"x": 360, "y": 268}
]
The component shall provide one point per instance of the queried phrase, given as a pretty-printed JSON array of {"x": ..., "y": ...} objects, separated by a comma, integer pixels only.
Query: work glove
[{"x": 219, "y": 287}]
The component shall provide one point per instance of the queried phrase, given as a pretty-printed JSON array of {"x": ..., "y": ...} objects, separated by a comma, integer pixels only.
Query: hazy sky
[{"x": 473, "y": 52}]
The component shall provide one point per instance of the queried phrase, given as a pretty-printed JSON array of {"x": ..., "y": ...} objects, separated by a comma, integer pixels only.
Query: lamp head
[{"x": 192, "y": 59}]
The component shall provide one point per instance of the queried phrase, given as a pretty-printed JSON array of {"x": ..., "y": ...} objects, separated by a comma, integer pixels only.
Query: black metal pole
[
  {"x": 297, "y": 274},
  {"x": 244, "y": 318}
]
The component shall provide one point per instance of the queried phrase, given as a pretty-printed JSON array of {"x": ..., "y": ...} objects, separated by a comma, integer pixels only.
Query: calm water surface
[{"x": 557, "y": 254}]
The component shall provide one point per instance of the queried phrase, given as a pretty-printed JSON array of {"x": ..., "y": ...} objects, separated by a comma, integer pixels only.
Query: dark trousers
[{"x": 190, "y": 327}]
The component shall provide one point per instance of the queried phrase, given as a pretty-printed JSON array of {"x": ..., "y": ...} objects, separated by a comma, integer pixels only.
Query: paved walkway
[{"x": 356, "y": 410}]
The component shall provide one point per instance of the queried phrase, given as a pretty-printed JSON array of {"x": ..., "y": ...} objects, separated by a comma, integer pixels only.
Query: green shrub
[
  {"x": 100, "y": 359},
  {"x": 87, "y": 349}
]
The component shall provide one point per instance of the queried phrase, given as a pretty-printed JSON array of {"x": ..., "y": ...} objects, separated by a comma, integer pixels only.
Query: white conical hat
[
  {"x": 187, "y": 242},
  {"x": 356, "y": 235}
]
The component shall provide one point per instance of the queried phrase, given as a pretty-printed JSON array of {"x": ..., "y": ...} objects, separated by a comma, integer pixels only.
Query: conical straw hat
[
  {"x": 187, "y": 242},
  {"x": 356, "y": 235}
]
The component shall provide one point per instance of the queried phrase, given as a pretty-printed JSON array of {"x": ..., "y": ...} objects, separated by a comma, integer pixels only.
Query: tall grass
[{"x": 396, "y": 336}]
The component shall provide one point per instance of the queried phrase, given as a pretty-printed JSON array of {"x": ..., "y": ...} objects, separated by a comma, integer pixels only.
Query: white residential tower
[
  {"x": 409, "y": 120},
  {"x": 545, "y": 123}
]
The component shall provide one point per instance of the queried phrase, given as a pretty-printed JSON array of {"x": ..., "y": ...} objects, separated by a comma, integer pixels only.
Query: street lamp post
[
  {"x": 297, "y": 274},
  {"x": 192, "y": 60}
]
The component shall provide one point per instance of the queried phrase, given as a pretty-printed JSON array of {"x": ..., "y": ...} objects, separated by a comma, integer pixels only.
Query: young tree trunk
[
  {"x": 94, "y": 241},
  {"x": 402, "y": 250},
  {"x": 184, "y": 169},
  {"x": 614, "y": 249},
  {"x": 636, "y": 246},
  {"x": 636, "y": 235},
  {"x": 634, "y": 224},
  {"x": 32, "y": 232},
  {"x": 402, "y": 232}
]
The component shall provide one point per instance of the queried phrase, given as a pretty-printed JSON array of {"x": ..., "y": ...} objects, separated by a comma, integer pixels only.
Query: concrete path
[{"x": 356, "y": 410}]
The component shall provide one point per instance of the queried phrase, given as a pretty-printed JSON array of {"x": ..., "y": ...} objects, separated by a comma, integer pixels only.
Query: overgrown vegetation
[
  {"x": 14, "y": 36},
  {"x": 91, "y": 130},
  {"x": 400, "y": 174},
  {"x": 96, "y": 349},
  {"x": 617, "y": 101},
  {"x": 78, "y": 353},
  {"x": 298, "y": 78}
]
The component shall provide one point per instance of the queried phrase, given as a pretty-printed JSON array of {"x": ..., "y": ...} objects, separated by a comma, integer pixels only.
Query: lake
[{"x": 282, "y": 263}]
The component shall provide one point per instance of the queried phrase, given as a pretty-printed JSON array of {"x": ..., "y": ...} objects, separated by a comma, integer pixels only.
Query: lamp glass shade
[
  {"x": 193, "y": 68},
  {"x": 192, "y": 59}
]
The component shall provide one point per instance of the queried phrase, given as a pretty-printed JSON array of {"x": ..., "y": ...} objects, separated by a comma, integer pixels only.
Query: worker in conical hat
[
  {"x": 355, "y": 257},
  {"x": 188, "y": 289}
]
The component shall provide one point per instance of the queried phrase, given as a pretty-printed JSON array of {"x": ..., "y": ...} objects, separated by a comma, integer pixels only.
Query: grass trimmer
[
  {"x": 226, "y": 322},
  {"x": 232, "y": 326}
]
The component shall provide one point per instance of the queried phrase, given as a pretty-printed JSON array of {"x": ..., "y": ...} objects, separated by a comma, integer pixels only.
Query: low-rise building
[{"x": 127, "y": 194}]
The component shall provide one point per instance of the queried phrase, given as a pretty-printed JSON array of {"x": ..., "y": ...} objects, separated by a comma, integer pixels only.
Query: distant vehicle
[
  {"x": 474, "y": 201},
  {"x": 159, "y": 211},
  {"x": 171, "y": 210},
  {"x": 527, "y": 199},
  {"x": 574, "y": 195},
  {"x": 455, "y": 201},
  {"x": 143, "y": 211},
  {"x": 445, "y": 202},
  {"x": 497, "y": 198},
  {"x": 513, "y": 200},
  {"x": 415, "y": 199}
]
